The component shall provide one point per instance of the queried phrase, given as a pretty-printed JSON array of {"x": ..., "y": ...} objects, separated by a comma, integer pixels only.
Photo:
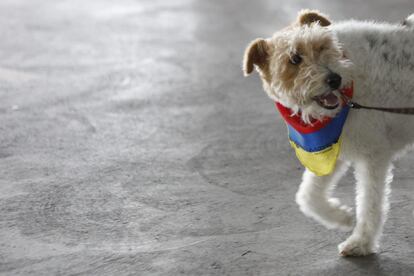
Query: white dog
[{"x": 304, "y": 67}]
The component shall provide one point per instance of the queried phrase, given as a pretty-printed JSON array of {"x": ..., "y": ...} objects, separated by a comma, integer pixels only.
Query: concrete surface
[{"x": 132, "y": 145}]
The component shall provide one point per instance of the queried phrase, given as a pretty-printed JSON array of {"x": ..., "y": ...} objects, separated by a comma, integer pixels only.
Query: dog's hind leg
[
  {"x": 373, "y": 178},
  {"x": 313, "y": 198}
]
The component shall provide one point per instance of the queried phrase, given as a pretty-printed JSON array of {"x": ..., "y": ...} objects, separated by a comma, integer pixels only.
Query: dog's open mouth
[{"x": 329, "y": 100}]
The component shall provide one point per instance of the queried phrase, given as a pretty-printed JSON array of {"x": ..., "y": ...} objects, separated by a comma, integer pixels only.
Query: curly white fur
[{"x": 383, "y": 57}]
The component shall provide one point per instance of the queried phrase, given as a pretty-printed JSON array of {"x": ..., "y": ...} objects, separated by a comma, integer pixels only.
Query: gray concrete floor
[{"x": 132, "y": 145}]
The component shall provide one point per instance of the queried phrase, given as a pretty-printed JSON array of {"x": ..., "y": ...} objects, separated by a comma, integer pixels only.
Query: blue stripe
[{"x": 323, "y": 138}]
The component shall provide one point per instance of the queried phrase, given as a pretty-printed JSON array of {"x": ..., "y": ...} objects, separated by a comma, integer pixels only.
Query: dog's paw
[{"x": 354, "y": 246}]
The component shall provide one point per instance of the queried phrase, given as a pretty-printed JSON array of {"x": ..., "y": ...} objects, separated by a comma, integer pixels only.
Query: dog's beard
[
  {"x": 308, "y": 106},
  {"x": 305, "y": 99},
  {"x": 304, "y": 104}
]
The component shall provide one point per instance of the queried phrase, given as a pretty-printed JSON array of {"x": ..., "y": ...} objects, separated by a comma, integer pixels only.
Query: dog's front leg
[
  {"x": 313, "y": 198},
  {"x": 373, "y": 178}
]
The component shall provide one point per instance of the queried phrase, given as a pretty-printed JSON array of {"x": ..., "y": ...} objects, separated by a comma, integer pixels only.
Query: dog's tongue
[{"x": 329, "y": 99}]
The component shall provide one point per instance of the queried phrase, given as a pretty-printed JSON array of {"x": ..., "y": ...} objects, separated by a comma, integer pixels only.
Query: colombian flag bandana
[{"x": 317, "y": 145}]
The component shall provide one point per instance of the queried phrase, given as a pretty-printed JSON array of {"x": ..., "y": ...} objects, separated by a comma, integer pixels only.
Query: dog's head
[{"x": 302, "y": 66}]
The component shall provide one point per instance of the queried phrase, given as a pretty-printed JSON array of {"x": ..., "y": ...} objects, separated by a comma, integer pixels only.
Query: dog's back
[{"x": 383, "y": 59}]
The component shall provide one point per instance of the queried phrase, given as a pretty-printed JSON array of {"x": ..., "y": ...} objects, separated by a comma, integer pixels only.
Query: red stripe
[{"x": 296, "y": 121}]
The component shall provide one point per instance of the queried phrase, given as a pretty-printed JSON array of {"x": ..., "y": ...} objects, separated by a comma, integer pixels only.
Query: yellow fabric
[{"x": 320, "y": 162}]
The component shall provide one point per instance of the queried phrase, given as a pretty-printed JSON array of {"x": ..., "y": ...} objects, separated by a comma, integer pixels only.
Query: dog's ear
[
  {"x": 307, "y": 17},
  {"x": 257, "y": 53}
]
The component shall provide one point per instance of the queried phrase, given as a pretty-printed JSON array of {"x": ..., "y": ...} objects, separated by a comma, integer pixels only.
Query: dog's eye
[{"x": 295, "y": 59}]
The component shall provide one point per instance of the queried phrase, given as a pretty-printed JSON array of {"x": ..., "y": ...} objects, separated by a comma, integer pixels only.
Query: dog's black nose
[{"x": 334, "y": 80}]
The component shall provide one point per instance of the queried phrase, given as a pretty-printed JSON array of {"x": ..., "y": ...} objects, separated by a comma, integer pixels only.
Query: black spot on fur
[
  {"x": 384, "y": 41},
  {"x": 404, "y": 22},
  {"x": 385, "y": 56},
  {"x": 372, "y": 40}
]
